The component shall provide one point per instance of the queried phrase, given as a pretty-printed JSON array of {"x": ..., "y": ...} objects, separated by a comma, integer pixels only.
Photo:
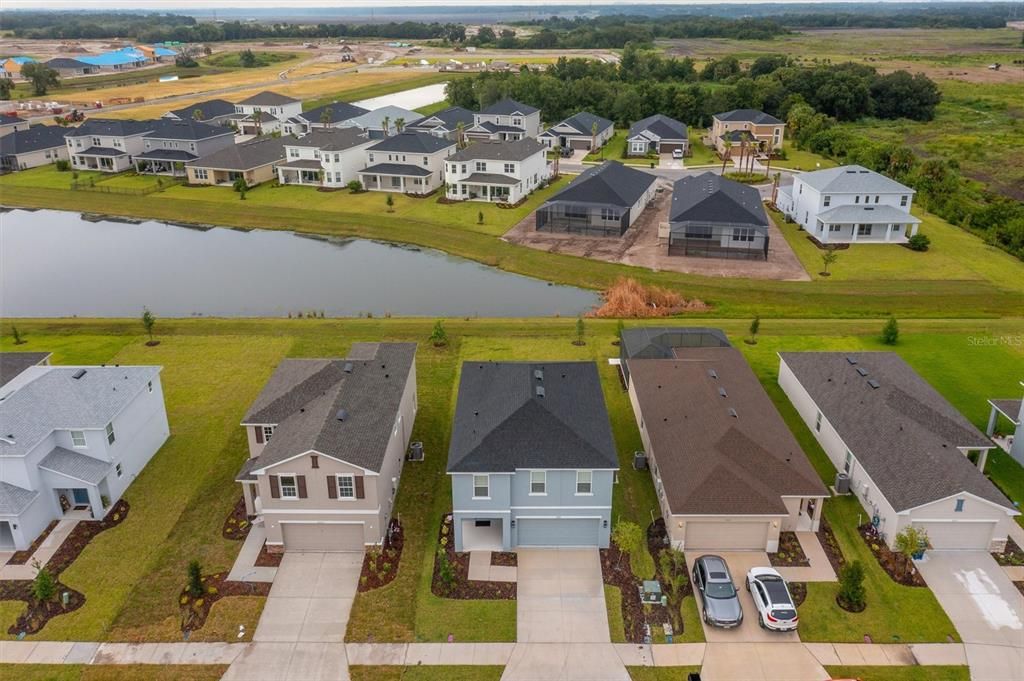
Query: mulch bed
[
  {"x": 1012, "y": 555},
  {"x": 828, "y": 541},
  {"x": 381, "y": 565},
  {"x": 850, "y": 608},
  {"x": 194, "y": 611},
  {"x": 615, "y": 571},
  {"x": 22, "y": 557},
  {"x": 798, "y": 590},
  {"x": 790, "y": 553},
  {"x": 267, "y": 559},
  {"x": 657, "y": 543},
  {"x": 237, "y": 524},
  {"x": 899, "y": 568},
  {"x": 504, "y": 558},
  {"x": 462, "y": 588},
  {"x": 827, "y": 247}
]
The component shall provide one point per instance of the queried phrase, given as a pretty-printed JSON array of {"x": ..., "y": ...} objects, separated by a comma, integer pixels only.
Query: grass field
[
  {"x": 233, "y": 60},
  {"x": 901, "y": 673},
  {"x": 660, "y": 673}
]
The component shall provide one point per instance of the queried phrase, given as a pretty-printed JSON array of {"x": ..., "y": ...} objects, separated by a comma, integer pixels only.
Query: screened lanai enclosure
[
  {"x": 718, "y": 240},
  {"x": 585, "y": 219}
]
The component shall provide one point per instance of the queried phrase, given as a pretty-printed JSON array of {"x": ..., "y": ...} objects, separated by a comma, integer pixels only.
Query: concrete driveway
[
  {"x": 560, "y": 597},
  {"x": 985, "y": 607},
  {"x": 760, "y": 662}
]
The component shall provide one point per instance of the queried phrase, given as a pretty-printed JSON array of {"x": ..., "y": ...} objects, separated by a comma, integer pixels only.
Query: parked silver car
[{"x": 720, "y": 603}]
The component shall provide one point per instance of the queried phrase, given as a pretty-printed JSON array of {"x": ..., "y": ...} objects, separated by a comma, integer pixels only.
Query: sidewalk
[
  {"x": 43, "y": 553},
  {"x": 244, "y": 569},
  {"x": 820, "y": 569}
]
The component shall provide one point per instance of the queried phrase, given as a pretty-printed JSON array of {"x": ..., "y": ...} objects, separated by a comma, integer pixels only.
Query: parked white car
[
  {"x": 775, "y": 609},
  {"x": 677, "y": 153}
]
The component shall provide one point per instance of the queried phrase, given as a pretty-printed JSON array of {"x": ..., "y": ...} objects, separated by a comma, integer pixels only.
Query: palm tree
[
  {"x": 558, "y": 155},
  {"x": 326, "y": 116},
  {"x": 460, "y": 134},
  {"x": 728, "y": 153},
  {"x": 387, "y": 125},
  {"x": 197, "y": 114},
  {"x": 257, "y": 114},
  {"x": 593, "y": 136},
  {"x": 399, "y": 124}
]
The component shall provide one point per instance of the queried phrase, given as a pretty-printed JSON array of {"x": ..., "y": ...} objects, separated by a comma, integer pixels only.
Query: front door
[{"x": 81, "y": 496}]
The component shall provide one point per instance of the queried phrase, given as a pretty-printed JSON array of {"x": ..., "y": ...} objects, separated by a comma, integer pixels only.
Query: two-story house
[
  {"x": 505, "y": 172},
  {"x": 212, "y": 111},
  {"x": 410, "y": 163},
  {"x": 173, "y": 143},
  {"x": 74, "y": 438},
  {"x": 265, "y": 112},
  {"x": 327, "y": 442},
  {"x": 444, "y": 123},
  {"x": 325, "y": 157},
  {"x": 532, "y": 460},
  {"x": 763, "y": 131},
  {"x": 107, "y": 145},
  {"x": 849, "y": 204},
  {"x": 583, "y": 130},
  {"x": 505, "y": 120},
  {"x": 335, "y": 114}
]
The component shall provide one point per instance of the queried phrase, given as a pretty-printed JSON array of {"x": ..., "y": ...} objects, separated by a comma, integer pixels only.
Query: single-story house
[
  {"x": 327, "y": 442},
  {"x": 13, "y": 363},
  {"x": 656, "y": 342},
  {"x": 712, "y": 216},
  {"x": 1013, "y": 411},
  {"x": 67, "y": 67},
  {"x": 74, "y": 438},
  {"x": 12, "y": 65},
  {"x": 657, "y": 134},
  {"x": 444, "y": 123},
  {"x": 760, "y": 130},
  {"x": 254, "y": 161},
  {"x": 903, "y": 449},
  {"x": 578, "y": 132},
  {"x": 212, "y": 111},
  {"x": 117, "y": 60},
  {"x": 38, "y": 146},
  {"x": 174, "y": 142},
  {"x": 728, "y": 472},
  {"x": 532, "y": 460},
  {"x": 505, "y": 172},
  {"x": 409, "y": 162},
  {"x": 603, "y": 200}
]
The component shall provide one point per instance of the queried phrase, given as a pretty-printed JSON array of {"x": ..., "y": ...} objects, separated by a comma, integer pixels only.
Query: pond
[
  {"x": 413, "y": 98},
  {"x": 57, "y": 264}
]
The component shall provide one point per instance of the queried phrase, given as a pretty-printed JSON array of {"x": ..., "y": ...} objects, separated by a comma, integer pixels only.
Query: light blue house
[{"x": 532, "y": 460}]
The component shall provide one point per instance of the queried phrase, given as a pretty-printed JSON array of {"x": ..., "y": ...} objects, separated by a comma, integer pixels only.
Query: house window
[
  {"x": 903, "y": 201},
  {"x": 481, "y": 487},
  {"x": 863, "y": 230},
  {"x": 817, "y": 422},
  {"x": 848, "y": 462},
  {"x": 95, "y": 141},
  {"x": 314, "y": 461},
  {"x": 743, "y": 234},
  {"x": 510, "y": 168},
  {"x": 856, "y": 199},
  {"x": 200, "y": 173},
  {"x": 289, "y": 487},
  {"x": 149, "y": 386},
  {"x": 877, "y": 197},
  {"x": 425, "y": 159},
  {"x": 959, "y": 508},
  {"x": 77, "y": 438},
  {"x": 698, "y": 232},
  {"x": 584, "y": 482},
  {"x": 538, "y": 482},
  {"x": 268, "y": 431},
  {"x": 800, "y": 190},
  {"x": 110, "y": 433},
  {"x": 119, "y": 470},
  {"x": 481, "y": 166},
  {"x": 835, "y": 228},
  {"x": 609, "y": 214},
  {"x": 371, "y": 156},
  {"x": 867, "y": 199},
  {"x": 828, "y": 201},
  {"x": 346, "y": 487}
]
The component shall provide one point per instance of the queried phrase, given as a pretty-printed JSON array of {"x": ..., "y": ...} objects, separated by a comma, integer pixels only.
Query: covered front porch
[
  {"x": 103, "y": 162},
  {"x": 485, "y": 187},
  {"x": 394, "y": 177},
  {"x": 171, "y": 162},
  {"x": 879, "y": 233},
  {"x": 308, "y": 172},
  {"x": 78, "y": 483}
]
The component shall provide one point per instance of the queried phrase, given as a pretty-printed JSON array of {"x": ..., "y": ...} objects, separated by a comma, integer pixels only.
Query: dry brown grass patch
[{"x": 629, "y": 298}]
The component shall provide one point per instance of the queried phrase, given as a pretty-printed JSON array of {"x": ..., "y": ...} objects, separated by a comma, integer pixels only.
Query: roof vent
[
  {"x": 851, "y": 359},
  {"x": 862, "y": 371},
  {"x": 348, "y": 367},
  {"x": 721, "y": 391},
  {"x": 538, "y": 374},
  {"x": 712, "y": 373},
  {"x": 540, "y": 391},
  {"x": 732, "y": 413},
  {"x": 874, "y": 384},
  {"x": 78, "y": 374},
  {"x": 342, "y": 415}
]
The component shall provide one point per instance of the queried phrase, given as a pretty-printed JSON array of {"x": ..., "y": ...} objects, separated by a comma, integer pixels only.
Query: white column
[
  {"x": 854, "y": 236},
  {"x": 913, "y": 229},
  {"x": 992, "y": 416},
  {"x": 402, "y": 180},
  {"x": 888, "y": 232},
  {"x": 982, "y": 458},
  {"x": 824, "y": 234}
]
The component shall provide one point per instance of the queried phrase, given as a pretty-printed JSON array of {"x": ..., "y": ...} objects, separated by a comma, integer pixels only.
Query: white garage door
[
  {"x": 710, "y": 535},
  {"x": 959, "y": 535},
  {"x": 300, "y": 537},
  {"x": 558, "y": 531}
]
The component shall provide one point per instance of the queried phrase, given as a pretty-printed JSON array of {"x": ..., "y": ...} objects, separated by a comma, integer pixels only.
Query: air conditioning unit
[
  {"x": 640, "y": 461},
  {"x": 842, "y": 483},
  {"x": 415, "y": 452}
]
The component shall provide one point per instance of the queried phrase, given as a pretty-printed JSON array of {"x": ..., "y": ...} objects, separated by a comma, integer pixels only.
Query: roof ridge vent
[
  {"x": 862, "y": 371},
  {"x": 851, "y": 359},
  {"x": 539, "y": 391},
  {"x": 78, "y": 374},
  {"x": 348, "y": 368},
  {"x": 874, "y": 384},
  {"x": 721, "y": 391}
]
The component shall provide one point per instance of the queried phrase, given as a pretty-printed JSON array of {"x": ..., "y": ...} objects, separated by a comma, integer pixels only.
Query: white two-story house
[
  {"x": 107, "y": 145},
  {"x": 505, "y": 120},
  {"x": 325, "y": 157},
  {"x": 74, "y": 438},
  {"x": 849, "y": 204},
  {"x": 173, "y": 143},
  {"x": 266, "y": 112},
  {"x": 409, "y": 162},
  {"x": 505, "y": 172}
]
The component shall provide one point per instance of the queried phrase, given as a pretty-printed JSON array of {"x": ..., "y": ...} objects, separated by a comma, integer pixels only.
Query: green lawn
[
  {"x": 426, "y": 673},
  {"x": 615, "y": 150},
  {"x": 47, "y": 176},
  {"x": 430, "y": 109},
  {"x": 613, "y": 604},
  {"x": 660, "y": 673},
  {"x": 865, "y": 673},
  {"x": 701, "y": 155},
  {"x": 233, "y": 60},
  {"x": 797, "y": 159},
  {"x": 111, "y": 672}
]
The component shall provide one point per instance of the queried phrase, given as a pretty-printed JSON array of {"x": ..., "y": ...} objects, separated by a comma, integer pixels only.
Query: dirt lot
[{"x": 641, "y": 247}]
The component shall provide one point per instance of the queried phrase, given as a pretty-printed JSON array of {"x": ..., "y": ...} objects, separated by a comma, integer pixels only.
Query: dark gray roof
[
  {"x": 752, "y": 115},
  {"x": 413, "y": 143},
  {"x": 262, "y": 117},
  {"x": 185, "y": 129},
  {"x": 711, "y": 198},
  {"x": 111, "y": 127},
  {"x": 660, "y": 126},
  {"x": 610, "y": 183},
  {"x": 35, "y": 138},
  {"x": 448, "y": 118},
  {"x": 519, "y": 150},
  {"x": 179, "y": 155},
  {"x": 211, "y": 108},
  {"x": 101, "y": 151},
  {"x": 656, "y": 342},
  {"x": 13, "y": 363},
  {"x": 330, "y": 139},
  {"x": 304, "y": 163},
  {"x": 904, "y": 433},
  {"x": 507, "y": 107},
  {"x": 339, "y": 111},
  {"x": 251, "y": 154},
  {"x": 303, "y": 398},
  {"x": 75, "y": 465},
  {"x": 14, "y": 499},
  {"x": 490, "y": 178},
  {"x": 67, "y": 63},
  {"x": 488, "y": 126},
  {"x": 11, "y": 119},
  {"x": 1009, "y": 408},
  {"x": 268, "y": 98},
  {"x": 407, "y": 169},
  {"x": 501, "y": 424},
  {"x": 583, "y": 121}
]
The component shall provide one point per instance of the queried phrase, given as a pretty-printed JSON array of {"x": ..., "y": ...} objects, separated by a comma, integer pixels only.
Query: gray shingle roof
[
  {"x": 852, "y": 180},
  {"x": 337, "y": 112},
  {"x": 752, "y": 115},
  {"x": 303, "y": 398},
  {"x": 177, "y": 155},
  {"x": 656, "y": 342},
  {"x": 519, "y": 150},
  {"x": 659, "y": 126},
  {"x": 110, "y": 127},
  {"x": 507, "y": 107},
  {"x": 48, "y": 398},
  {"x": 448, "y": 118},
  {"x": 211, "y": 108},
  {"x": 268, "y": 98},
  {"x": 583, "y": 121},
  {"x": 330, "y": 139},
  {"x": 251, "y": 154},
  {"x": 610, "y": 183},
  {"x": 490, "y": 178},
  {"x": 186, "y": 129},
  {"x": 501, "y": 424},
  {"x": 413, "y": 143},
  {"x": 490, "y": 127},
  {"x": 11, "y": 119},
  {"x": 13, "y": 363},
  {"x": 867, "y": 214},
  {"x": 35, "y": 138},
  {"x": 1009, "y": 408},
  {"x": 711, "y": 198},
  {"x": 66, "y": 63},
  {"x": 904, "y": 433},
  {"x": 406, "y": 169},
  {"x": 14, "y": 499},
  {"x": 75, "y": 465}
]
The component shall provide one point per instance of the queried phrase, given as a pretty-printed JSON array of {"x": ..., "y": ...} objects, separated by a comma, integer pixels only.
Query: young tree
[
  {"x": 851, "y": 586},
  {"x": 593, "y": 136},
  {"x": 44, "y": 586},
  {"x": 460, "y": 135},
  {"x": 18, "y": 340},
  {"x": 727, "y": 154},
  {"x": 41, "y": 76},
  {"x": 195, "y": 587},
  {"x": 580, "y": 330},
  {"x": 247, "y": 59},
  {"x": 891, "y": 332},
  {"x": 755, "y": 326},
  {"x": 148, "y": 322},
  {"x": 439, "y": 337},
  {"x": 629, "y": 537},
  {"x": 325, "y": 116},
  {"x": 829, "y": 257},
  {"x": 399, "y": 124},
  {"x": 390, "y": 203},
  {"x": 6, "y": 87},
  {"x": 241, "y": 187},
  {"x": 909, "y": 541}
]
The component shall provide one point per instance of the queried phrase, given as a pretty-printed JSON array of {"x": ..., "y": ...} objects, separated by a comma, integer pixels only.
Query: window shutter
[
  {"x": 275, "y": 490},
  {"x": 259, "y": 434},
  {"x": 314, "y": 461},
  {"x": 332, "y": 487},
  {"x": 360, "y": 492},
  {"x": 302, "y": 485}
]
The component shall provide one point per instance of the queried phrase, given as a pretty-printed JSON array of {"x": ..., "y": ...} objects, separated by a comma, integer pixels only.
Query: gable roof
[
  {"x": 852, "y": 179},
  {"x": 711, "y": 198},
  {"x": 268, "y": 98},
  {"x": 518, "y": 150},
  {"x": 211, "y": 108},
  {"x": 582, "y": 123},
  {"x": 186, "y": 129},
  {"x": 251, "y": 154},
  {"x": 304, "y": 397},
  {"x": 904, "y": 433},
  {"x": 35, "y": 138},
  {"x": 66, "y": 63},
  {"x": 14, "y": 499},
  {"x": 660, "y": 342},
  {"x": 330, "y": 139},
  {"x": 610, "y": 183},
  {"x": 76, "y": 465},
  {"x": 448, "y": 118},
  {"x": 659, "y": 126},
  {"x": 507, "y": 107},
  {"x": 752, "y": 115},
  {"x": 710, "y": 461},
  {"x": 413, "y": 143},
  {"x": 11, "y": 119},
  {"x": 13, "y": 363},
  {"x": 338, "y": 111},
  {"x": 111, "y": 127},
  {"x": 502, "y": 424}
]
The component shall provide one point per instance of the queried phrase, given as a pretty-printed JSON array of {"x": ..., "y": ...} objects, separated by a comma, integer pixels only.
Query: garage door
[
  {"x": 726, "y": 536},
  {"x": 300, "y": 537},
  {"x": 579, "y": 144},
  {"x": 558, "y": 531},
  {"x": 959, "y": 535}
]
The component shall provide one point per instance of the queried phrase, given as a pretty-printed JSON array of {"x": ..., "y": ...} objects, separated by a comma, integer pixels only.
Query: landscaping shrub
[
  {"x": 63, "y": 165},
  {"x": 851, "y": 587},
  {"x": 439, "y": 337},
  {"x": 919, "y": 242},
  {"x": 629, "y": 537},
  {"x": 445, "y": 569},
  {"x": 195, "y": 579},
  {"x": 891, "y": 332},
  {"x": 44, "y": 586},
  {"x": 355, "y": 186}
]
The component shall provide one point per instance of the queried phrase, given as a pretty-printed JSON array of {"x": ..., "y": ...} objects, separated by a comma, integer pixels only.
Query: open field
[{"x": 132, "y": 574}]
